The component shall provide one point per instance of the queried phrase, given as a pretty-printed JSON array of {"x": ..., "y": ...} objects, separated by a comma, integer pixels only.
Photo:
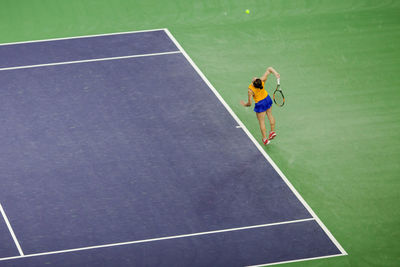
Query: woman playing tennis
[{"x": 263, "y": 104}]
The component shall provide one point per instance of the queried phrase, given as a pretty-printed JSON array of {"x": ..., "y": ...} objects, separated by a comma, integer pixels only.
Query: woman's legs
[
  {"x": 261, "y": 121},
  {"x": 271, "y": 119}
]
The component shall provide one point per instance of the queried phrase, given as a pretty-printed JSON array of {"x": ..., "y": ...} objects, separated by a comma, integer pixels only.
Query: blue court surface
[{"x": 117, "y": 151}]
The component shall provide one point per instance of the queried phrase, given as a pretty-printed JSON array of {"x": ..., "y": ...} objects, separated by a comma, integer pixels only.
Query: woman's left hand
[{"x": 243, "y": 103}]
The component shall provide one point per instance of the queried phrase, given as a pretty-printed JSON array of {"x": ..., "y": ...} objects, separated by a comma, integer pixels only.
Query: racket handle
[{"x": 278, "y": 81}]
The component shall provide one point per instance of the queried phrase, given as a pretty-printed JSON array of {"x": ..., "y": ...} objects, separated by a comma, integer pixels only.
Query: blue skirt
[{"x": 263, "y": 105}]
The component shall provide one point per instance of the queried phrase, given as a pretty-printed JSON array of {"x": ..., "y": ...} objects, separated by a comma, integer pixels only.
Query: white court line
[
  {"x": 11, "y": 231},
  {"x": 88, "y": 60},
  {"x": 78, "y": 37},
  {"x": 306, "y": 259},
  {"x": 157, "y": 239},
  {"x": 299, "y": 197}
]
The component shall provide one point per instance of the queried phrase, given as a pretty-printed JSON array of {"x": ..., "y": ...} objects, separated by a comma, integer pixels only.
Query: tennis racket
[{"x": 279, "y": 99}]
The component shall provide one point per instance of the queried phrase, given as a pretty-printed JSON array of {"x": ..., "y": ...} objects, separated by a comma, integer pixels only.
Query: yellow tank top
[{"x": 259, "y": 94}]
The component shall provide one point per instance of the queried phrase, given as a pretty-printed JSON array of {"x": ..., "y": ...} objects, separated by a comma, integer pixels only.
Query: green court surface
[{"x": 338, "y": 134}]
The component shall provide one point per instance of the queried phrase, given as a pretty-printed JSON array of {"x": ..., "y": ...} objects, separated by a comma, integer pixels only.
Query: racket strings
[{"x": 278, "y": 97}]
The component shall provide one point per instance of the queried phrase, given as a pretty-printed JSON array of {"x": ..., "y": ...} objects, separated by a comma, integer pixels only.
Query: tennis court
[
  {"x": 107, "y": 161},
  {"x": 123, "y": 142}
]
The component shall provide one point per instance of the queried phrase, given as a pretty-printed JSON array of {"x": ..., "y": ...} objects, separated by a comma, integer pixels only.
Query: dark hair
[{"x": 258, "y": 84}]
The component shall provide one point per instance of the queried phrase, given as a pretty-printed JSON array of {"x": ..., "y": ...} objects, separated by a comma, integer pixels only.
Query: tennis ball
[{"x": 247, "y": 11}]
